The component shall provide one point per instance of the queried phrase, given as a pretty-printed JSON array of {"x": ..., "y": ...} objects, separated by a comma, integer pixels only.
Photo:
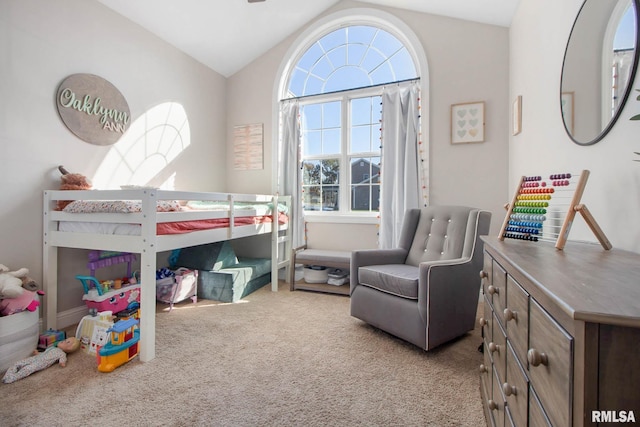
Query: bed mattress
[{"x": 165, "y": 227}]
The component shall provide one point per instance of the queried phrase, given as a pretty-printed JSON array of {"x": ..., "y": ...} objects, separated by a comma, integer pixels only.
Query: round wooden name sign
[{"x": 93, "y": 109}]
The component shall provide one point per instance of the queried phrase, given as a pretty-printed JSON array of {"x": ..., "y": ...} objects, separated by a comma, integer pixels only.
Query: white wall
[
  {"x": 41, "y": 43},
  {"x": 538, "y": 38},
  {"x": 468, "y": 62}
]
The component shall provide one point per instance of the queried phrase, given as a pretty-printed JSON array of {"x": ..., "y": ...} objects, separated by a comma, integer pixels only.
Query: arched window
[
  {"x": 337, "y": 80},
  {"x": 351, "y": 57}
]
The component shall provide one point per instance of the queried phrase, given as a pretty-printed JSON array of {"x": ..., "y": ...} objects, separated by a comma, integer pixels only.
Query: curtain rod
[{"x": 352, "y": 89}]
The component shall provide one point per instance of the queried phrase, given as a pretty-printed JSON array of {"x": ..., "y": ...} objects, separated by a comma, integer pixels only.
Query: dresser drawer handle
[
  {"x": 483, "y": 321},
  {"x": 483, "y": 369},
  {"x": 493, "y": 290},
  {"x": 492, "y": 405},
  {"x": 493, "y": 347},
  {"x": 510, "y": 315},
  {"x": 536, "y": 358},
  {"x": 483, "y": 274},
  {"x": 509, "y": 390}
]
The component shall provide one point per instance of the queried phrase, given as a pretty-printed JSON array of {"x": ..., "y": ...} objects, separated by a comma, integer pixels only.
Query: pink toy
[
  {"x": 27, "y": 301},
  {"x": 101, "y": 299}
]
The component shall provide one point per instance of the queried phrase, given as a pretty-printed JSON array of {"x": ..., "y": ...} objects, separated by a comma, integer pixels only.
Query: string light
[{"x": 423, "y": 153}]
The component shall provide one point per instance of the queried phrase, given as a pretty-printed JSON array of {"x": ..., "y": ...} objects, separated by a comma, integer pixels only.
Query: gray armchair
[{"x": 426, "y": 291}]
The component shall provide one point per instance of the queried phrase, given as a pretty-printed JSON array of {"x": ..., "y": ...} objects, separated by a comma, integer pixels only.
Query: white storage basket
[{"x": 316, "y": 274}]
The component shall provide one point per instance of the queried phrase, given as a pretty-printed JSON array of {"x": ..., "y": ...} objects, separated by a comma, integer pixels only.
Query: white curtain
[
  {"x": 289, "y": 172},
  {"x": 400, "y": 176}
]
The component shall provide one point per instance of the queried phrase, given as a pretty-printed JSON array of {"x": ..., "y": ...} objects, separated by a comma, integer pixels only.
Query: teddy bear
[
  {"x": 71, "y": 181},
  {"x": 14, "y": 283},
  {"x": 27, "y": 301}
]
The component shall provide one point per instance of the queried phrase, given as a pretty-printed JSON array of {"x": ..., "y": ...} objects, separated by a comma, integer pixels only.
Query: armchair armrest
[
  {"x": 374, "y": 257},
  {"x": 448, "y": 293}
]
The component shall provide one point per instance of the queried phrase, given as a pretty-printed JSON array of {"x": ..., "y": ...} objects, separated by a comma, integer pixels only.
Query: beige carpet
[{"x": 276, "y": 359}]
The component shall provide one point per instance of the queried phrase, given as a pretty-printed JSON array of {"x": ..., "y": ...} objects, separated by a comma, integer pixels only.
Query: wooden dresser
[{"x": 561, "y": 334}]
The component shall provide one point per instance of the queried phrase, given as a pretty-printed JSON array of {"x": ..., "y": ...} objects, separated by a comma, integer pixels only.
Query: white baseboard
[{"x": 71, "y": 317}]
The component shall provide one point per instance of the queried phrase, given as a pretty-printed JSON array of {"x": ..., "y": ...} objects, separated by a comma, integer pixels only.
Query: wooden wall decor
[{"x": 93, "y": 109}]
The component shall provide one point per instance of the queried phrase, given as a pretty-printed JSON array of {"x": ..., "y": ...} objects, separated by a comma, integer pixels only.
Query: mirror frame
[{"x": 627, "y": 92}]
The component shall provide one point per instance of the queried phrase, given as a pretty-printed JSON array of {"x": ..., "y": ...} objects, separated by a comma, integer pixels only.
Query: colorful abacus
[{"x": 544, "y": 208}]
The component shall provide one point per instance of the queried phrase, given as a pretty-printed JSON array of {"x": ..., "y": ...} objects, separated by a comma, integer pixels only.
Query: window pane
[
  {"x": 376, "y": 110},
  {"x": 361, "y": 34},
  {"x": 330, "y": 171},
  {"x": 310, "y": 57},
  {"x": 360, "y": 111},
  {"x": 311, "y": 198},
  {"x": 361, "y": 139},
  {"x": 331, "y": 114},
  {"x": 365, "y": 188},
  {"x": 375, "y": 170},
  {"x": 333, "y": 39},
  {"x": 331, "y": 141},
  {"x": 311, "y": 172},
  {"x": 356, "y": 53},
  {"x": 311, "y": 117},
  {"x": 311, "y": 143},
  {"x": 338, "y": 56},
  {"x": 365, "y": 198},
  {"x": 360, "y": 171},
  {"x": 387, "y": 43},
  {"x": 296, "y": 84},
  {"x": 402, "y": 65},
  {"x": 330, "y": 197}
]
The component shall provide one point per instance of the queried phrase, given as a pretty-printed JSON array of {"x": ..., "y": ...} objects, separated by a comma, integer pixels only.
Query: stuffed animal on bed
[
  {"x": 14, "y": 283},
  {"x": 25, "y": 302},
  {"x": 71, "y": 181}
]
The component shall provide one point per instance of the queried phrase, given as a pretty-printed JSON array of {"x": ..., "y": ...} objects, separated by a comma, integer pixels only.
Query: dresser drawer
[
  {"x": 486, "y": 376},
  {"x": 498, "y": 350},
  {"x": 497, "y": 405},
  {"x": 537, "y": 417},
  {"x": 550, "y": 358},
  {"x": 486, "y": 321},
  {"x": 498, "y": 290},
  {"x": 485, "y": 276},
  {"x": 516, "y": 389},
  {"x": 516, "y": 318}
]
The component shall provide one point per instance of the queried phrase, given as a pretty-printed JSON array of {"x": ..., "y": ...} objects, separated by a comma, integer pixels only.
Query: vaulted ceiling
[{"x": 226, "y": 35}]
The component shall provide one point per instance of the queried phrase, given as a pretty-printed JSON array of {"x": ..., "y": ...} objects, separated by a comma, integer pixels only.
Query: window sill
[{"x": 341, "y": 218}]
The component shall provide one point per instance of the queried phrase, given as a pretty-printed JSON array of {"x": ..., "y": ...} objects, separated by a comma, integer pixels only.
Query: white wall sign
[{"x": 93, "y": 109}]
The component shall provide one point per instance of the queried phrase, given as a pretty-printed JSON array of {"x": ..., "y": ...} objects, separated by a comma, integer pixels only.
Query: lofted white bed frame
[{"x": 148, "y": 243}]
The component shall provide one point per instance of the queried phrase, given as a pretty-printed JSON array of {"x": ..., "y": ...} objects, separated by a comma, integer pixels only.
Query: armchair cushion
[
  {"x": 441, "y": 233},
  {"x": 396, "y": 279}
]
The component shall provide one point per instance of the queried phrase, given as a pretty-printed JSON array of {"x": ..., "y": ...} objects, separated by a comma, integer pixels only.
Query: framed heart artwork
[{"x": 467, "y": 122}]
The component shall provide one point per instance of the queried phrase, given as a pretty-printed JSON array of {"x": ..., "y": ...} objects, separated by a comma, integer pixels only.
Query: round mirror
[{"x": 599, "y": 67}]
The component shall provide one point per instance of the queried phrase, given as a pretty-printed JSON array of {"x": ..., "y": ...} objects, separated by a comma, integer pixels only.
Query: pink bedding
[{"x": 207, "y": 224}]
